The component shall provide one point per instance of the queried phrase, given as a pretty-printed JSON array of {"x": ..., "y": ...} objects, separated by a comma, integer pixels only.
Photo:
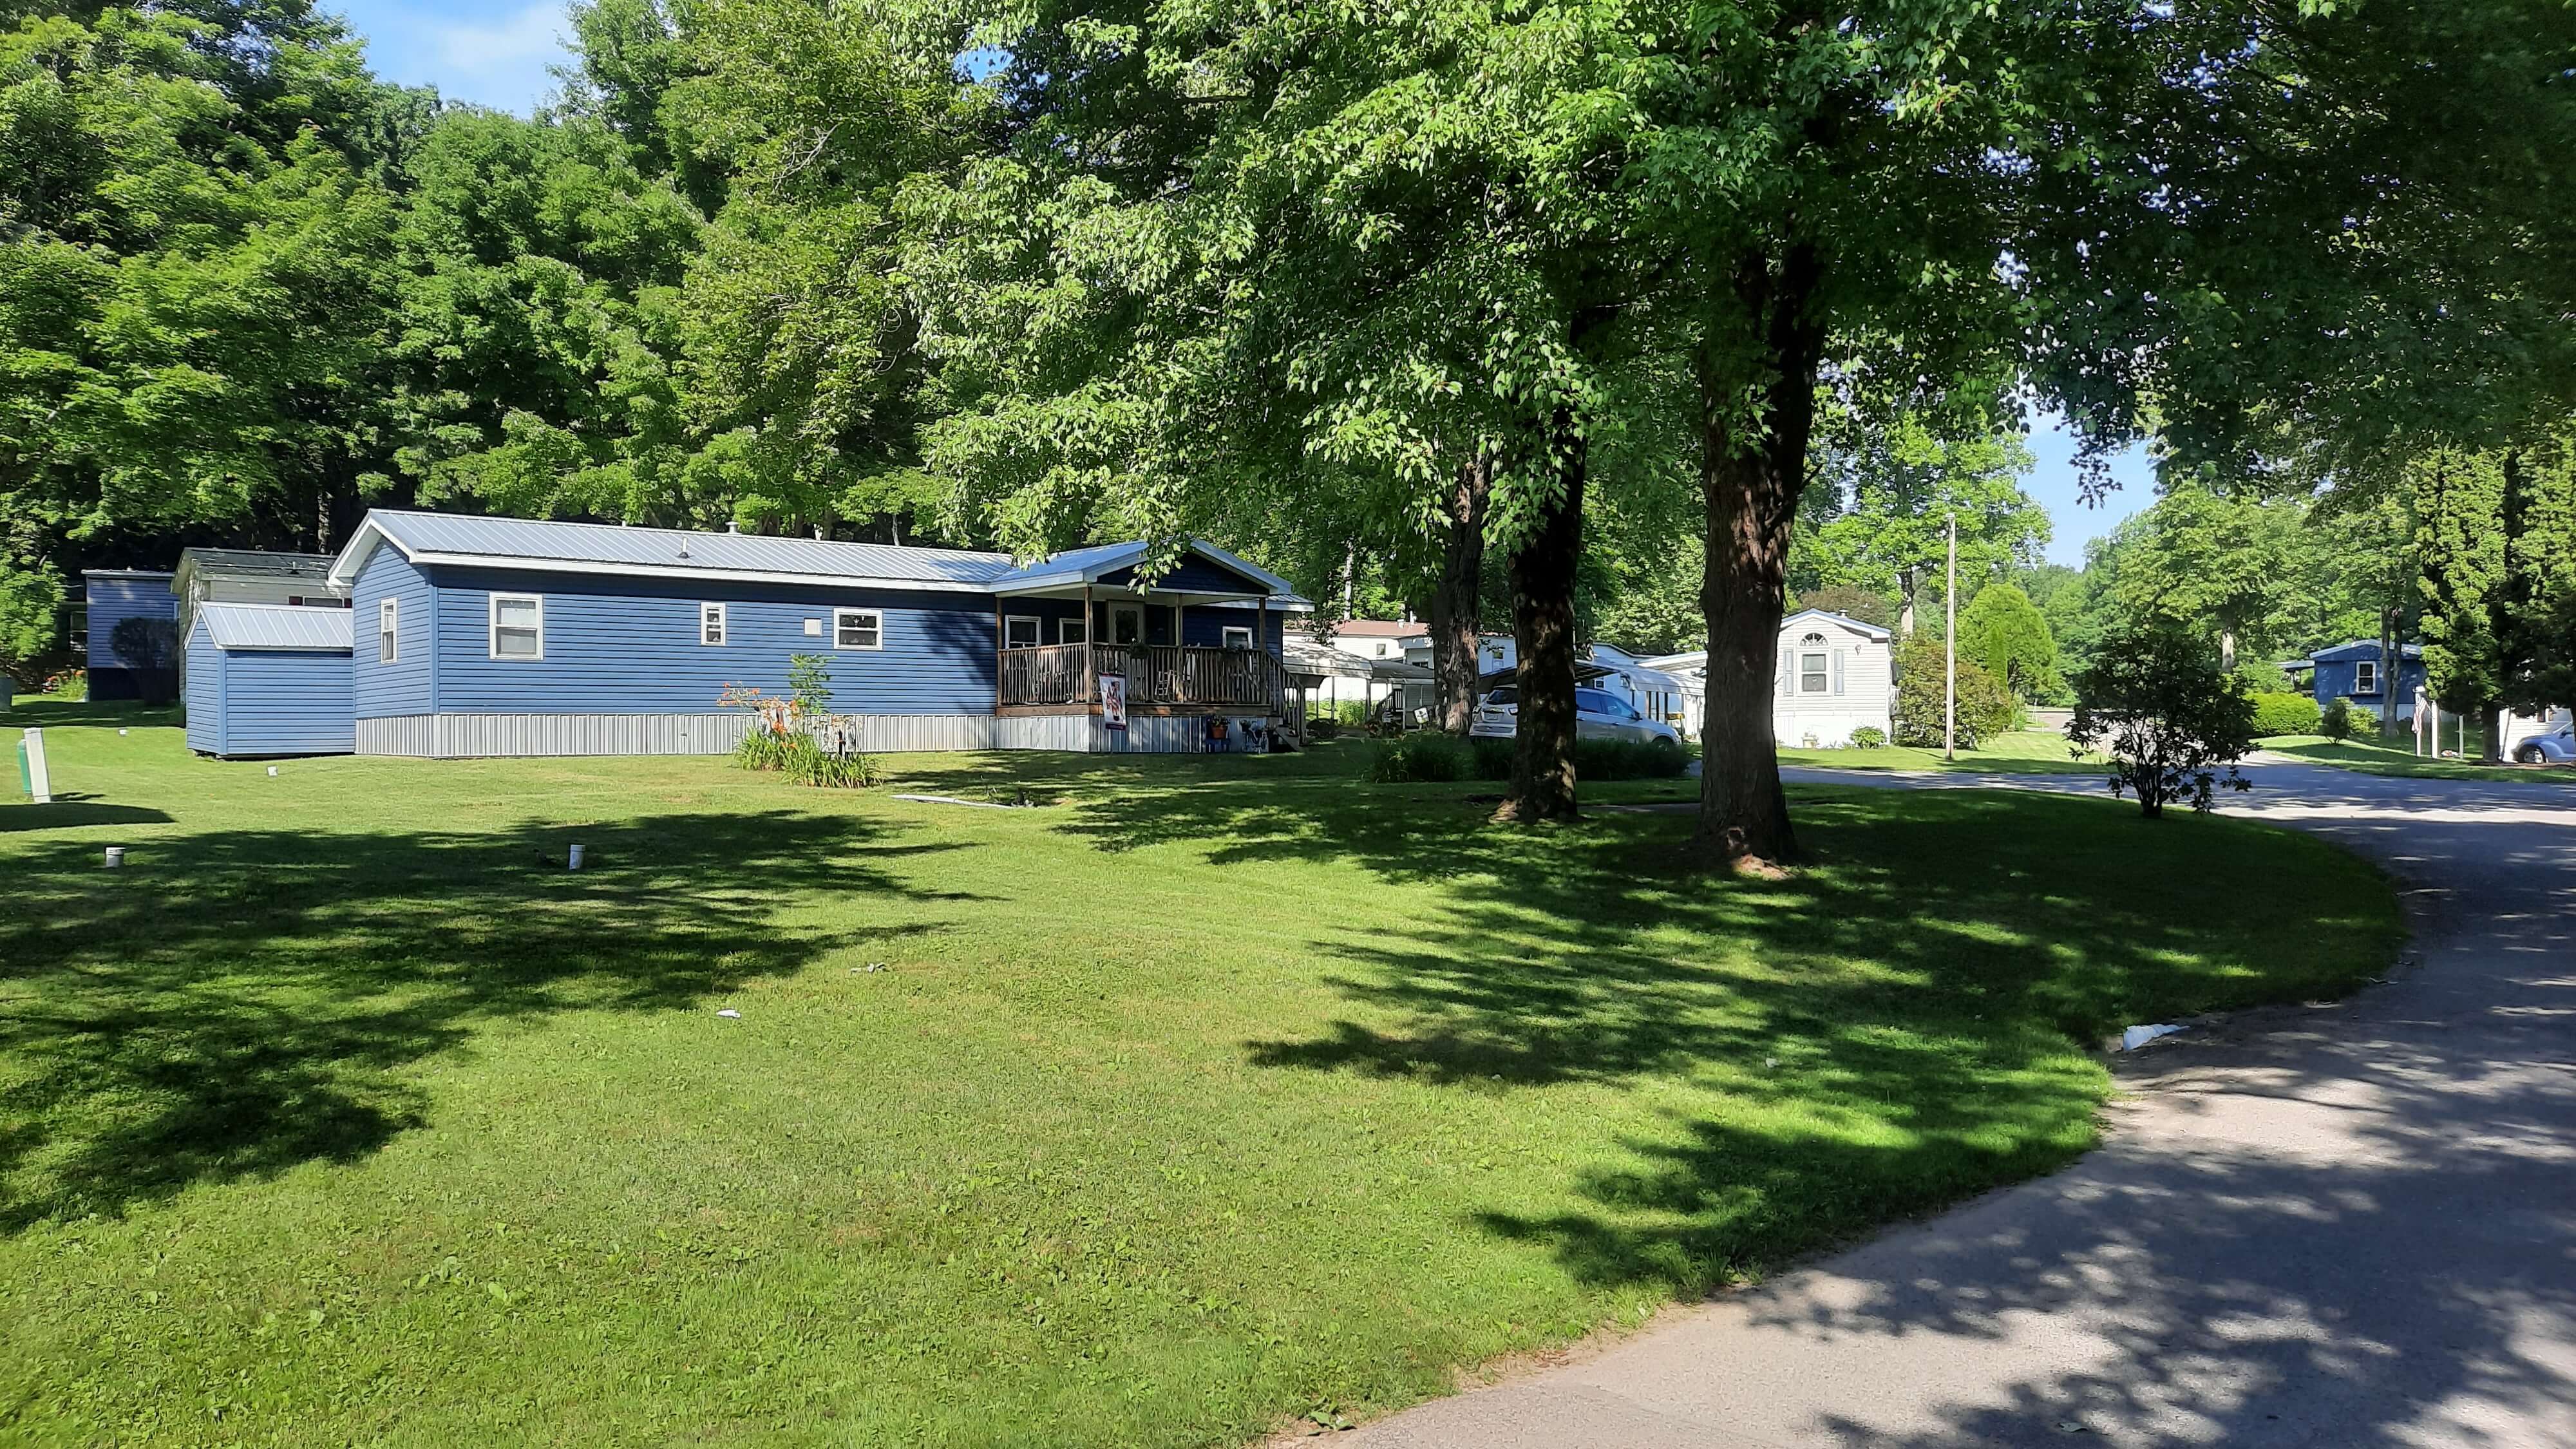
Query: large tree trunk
[
  {"x": 1542, "y": 573},
  {"x": 1457, "y": 605},
  {"x": 2491, "y": 720},
  {"x": 2389, "y": 676},
  {"x": 1750, "y": 479}
]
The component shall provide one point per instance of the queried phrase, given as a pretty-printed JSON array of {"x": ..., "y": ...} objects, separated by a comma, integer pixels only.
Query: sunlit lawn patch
[{"x": 1212, "y": 1092}]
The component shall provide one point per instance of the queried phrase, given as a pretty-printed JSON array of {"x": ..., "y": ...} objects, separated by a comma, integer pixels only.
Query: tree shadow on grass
[
  {"x": 235, "y": 1003},
  {"x": 1904, "y": 1021},
  {"x": 70, "y": 812}
]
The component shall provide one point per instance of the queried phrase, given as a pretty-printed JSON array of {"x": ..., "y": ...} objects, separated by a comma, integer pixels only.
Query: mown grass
[
  {"x": 2020, "y": 752},
  {"x": 1216, "y": 1091},
  {"x": 2371, "y": 757}
]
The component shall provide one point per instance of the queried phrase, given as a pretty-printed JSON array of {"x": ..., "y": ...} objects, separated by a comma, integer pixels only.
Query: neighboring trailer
[
  {"x": 114, "y": 596},
  {"x": 269, "y": 679},
  {"x": 490, "y": 636}
]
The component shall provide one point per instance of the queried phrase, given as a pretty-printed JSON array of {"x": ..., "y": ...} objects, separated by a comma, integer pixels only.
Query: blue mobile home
[
  {"x": 268, "y": 679},
  {"x": 2353, "y": 671},
  {"x": 490, "y": 636},
  {"x": 114, "y": 596}
]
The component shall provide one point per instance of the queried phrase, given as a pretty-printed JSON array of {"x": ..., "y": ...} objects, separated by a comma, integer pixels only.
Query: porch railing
[{"x": 1157, "y": 674}]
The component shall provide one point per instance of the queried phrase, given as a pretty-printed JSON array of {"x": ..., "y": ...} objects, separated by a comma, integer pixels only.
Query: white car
[{"x": 1598, "y": 715}]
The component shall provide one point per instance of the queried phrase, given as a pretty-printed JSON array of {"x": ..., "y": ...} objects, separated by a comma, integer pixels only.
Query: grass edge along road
[
  {"x": 2371, "y": 758},
  {"x": 1217, "y": 1092}
]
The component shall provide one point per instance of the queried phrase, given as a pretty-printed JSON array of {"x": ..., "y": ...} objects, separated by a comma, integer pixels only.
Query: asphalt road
[{"x": 2351, "y": 1225}]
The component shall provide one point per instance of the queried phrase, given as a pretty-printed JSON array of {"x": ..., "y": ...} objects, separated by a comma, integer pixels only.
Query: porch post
[
  {"x": 1261, "y": 643},
  {"x": 1090, "y": 655},
  {"x": 998, "y": 642}
]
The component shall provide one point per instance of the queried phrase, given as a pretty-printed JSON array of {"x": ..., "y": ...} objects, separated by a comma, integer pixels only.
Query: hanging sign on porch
[{"x": 1113, "y": 701}]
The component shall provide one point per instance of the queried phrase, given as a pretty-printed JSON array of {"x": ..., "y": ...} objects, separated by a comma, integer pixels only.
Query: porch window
[
  {"x": 858, "y": 629},
  {"x": 2365, "y": 677},
  {"x": 1020, "y": 631},
  {"x": 711, "y": 625},
  {"x": 1235, "y": 636},
  {"x": 1072, "y": 631},
  {"x": 518, "y": 626}
]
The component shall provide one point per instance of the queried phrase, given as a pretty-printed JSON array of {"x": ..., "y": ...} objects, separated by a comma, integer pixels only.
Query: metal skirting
[{"x": 467, "y": 736}]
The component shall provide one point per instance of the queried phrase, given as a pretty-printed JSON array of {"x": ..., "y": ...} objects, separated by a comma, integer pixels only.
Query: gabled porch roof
[{"x": 1111, "y": 569}]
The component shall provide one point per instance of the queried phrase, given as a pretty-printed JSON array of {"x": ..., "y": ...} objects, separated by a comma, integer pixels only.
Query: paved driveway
[{"x": 2350, "y": 1225}]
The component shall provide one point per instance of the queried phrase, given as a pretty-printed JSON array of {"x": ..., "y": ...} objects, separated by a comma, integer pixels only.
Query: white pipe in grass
[
  {"x": 115, "y": 857},
  {"x": 572, "y": 858}
]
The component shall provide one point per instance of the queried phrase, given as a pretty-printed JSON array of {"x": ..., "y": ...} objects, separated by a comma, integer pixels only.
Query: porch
[{"x": 1180, "y": 678}]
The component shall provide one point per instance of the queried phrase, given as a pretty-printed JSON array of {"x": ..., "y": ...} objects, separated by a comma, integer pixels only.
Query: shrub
[
  {"x": 1425, "y": 756},
  {"x": 808, "y": 763},
  {"x": 1323, "y": 727},
  {"x": 1626, "y": 760},
  {"x": 1985, "y": 707},
  {"x": 1868, "y": 737},
  {"x": 2157, "y": 703},
  {"x": 2335, "y": 720},
  {"x": 2285, "y": 714},
  {"x": 1429, "y": 755}
]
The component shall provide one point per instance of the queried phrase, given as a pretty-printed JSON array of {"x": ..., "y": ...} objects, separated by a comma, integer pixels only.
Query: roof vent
[
  {"x": 684, "y": 550},
  {"x": 818, "y": 533},
  {"x": 732, "y": 527}
]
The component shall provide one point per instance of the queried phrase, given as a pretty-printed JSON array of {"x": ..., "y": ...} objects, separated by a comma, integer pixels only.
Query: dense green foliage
[
  {"x": 2004, "y": 632},
  {"x": 1986, "y": 707},
  {"x": 2173, "y": 721},
  {"x": 2291, "y": 714}
]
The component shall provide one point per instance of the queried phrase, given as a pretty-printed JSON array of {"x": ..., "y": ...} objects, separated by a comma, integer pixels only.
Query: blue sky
[
  {"x": 499, "y": 53},
  {"x": 496, "y": 53}
]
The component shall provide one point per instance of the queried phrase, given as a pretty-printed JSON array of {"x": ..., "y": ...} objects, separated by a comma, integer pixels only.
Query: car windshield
[
  {"x": 1597, "y": 702},
  {"x": 1505, "y": 695}
]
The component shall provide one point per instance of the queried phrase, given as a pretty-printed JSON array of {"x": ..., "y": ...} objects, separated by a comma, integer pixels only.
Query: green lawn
[
  {"x": 1215, "y": 1092},
  {"x": 2374, "y": 758},
  {"x": 2022, "y": 752}
]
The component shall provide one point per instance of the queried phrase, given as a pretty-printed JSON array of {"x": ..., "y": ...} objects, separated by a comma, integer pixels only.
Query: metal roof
[
  {"x": 254, "y": 563},
  {"x": 469, "y": 541},
  {"x": 275, "y": 626},
  {"x": 482, "y": 542},
  {"x": 1088, "y": 565}
]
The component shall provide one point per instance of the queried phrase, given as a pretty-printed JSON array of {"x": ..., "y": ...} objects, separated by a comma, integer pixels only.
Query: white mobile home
[{"x": 1834, "y": 675}]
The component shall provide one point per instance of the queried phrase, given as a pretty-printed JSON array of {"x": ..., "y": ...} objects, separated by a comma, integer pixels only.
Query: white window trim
[
  {"x": 2365, "y": 676},
  {"x": 1226, "y": 636},
  {"x": 492, "y": 626},
  {"x": 389, "y": 631},
  {"x": 1079, "y": 627},
  {"x": 1037, "y": 630},
  {"x": 1823, "y": 671},
  {"x": 1135, "y": 611},
  {"x": 724, "y": 625},
  {"x": 876, "y": 614}
]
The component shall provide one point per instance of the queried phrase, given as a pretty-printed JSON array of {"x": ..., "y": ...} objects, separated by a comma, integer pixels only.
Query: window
[
  {"x": 711, "y": 624},
  {"x": 518, "y": 626},
  {"x": 2365, "y": 677},
  {"x": 858, "y": 629},
  {"x": 1126, "y": 624},
  {"x": 1811, "y": 673},
  {"x": 1020, "y": 631},
  {"x": 386, "y": 610},
  {"x": 1072, "y": 631},
  {"x": 1235, "y": 636}
]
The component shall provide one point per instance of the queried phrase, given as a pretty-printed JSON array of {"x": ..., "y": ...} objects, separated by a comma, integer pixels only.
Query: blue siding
[
  {"x": 285, "y": 702},
  {"x": 2338, "y": 671},
  {"x": 111, "y": 602},
  {"x": 1207, "y": 624},
  {"x": 618, "y": 645},
  {"x": 205, "y": 692},
  {"x": 1194, "y": 575},
  {"x": 404, "y": 686}
]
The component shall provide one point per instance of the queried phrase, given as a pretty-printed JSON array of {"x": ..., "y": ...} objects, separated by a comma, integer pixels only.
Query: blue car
[{"x": 2557, "y": 747}]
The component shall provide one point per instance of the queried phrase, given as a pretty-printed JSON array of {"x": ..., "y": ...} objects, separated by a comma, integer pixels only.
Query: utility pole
[{"x": 1950, "y": 651}]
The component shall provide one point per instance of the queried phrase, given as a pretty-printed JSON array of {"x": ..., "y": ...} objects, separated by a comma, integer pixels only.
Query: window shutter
[{"x": 1838, "y": 670}]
